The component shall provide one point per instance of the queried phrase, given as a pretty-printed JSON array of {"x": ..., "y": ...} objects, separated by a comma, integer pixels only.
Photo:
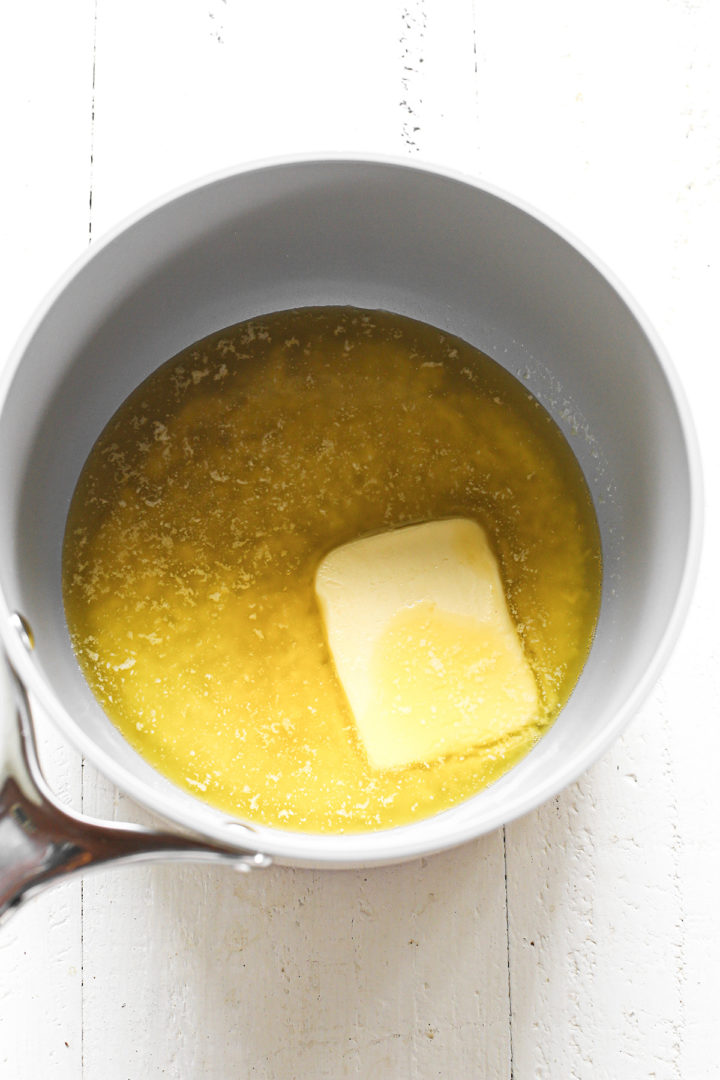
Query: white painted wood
[
  {"x": 41, "y": 959},
  {"x": 298, "y": 974},
  {"x": 344, "y": 974},
  {"x": 46, "y": 92},
  {"x": 46, "y": 85},
  {"x": 614, "y": 953},
  {"x": 186, "y": 88},
  {"x": 607, "y": 116}
]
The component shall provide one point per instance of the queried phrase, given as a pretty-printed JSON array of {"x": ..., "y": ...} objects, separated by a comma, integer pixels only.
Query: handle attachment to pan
[{"x": 42, "y": 842}]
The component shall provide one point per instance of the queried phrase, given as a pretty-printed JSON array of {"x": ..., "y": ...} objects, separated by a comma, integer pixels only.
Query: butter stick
[{"x": 423, "y": 642}]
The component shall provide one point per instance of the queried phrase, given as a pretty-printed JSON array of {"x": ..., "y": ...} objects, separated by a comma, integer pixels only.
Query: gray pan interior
[{"x": 379, "y": 235}]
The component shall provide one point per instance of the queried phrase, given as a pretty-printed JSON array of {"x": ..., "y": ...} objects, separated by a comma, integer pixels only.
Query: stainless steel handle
[{"x": 42, "y": 842}]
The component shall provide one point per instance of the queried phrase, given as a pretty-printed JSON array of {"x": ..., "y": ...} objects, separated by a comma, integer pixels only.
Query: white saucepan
[{"x": 374, "y": 233}]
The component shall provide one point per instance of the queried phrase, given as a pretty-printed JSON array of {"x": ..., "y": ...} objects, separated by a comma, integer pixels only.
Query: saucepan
[{"x": 377, "y": 233}]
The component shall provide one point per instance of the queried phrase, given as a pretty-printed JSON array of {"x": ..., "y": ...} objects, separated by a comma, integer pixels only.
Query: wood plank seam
[{"x": 82, "y": 763}]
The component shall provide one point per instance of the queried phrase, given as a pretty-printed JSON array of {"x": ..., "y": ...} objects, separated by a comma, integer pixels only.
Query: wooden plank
[
  {"x": 690, "y": 690},
  {"x": 400, "y": 972},
  {"x": 438, "y": 106},
  {"x": 595, "y": 919},
  {"x": 46, "y": 82},
  {"x": 46, "y": 88},
  {"x": 613, "y": 952},
  {"x": 41, "y": 957},
  {"x": 203, "y": 87}
]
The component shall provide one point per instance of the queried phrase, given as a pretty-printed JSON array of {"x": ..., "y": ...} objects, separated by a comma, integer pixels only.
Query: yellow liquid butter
[{"x": 204, "y": 510}]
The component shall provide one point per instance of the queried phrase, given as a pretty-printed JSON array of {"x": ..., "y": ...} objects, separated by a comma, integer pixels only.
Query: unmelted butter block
[{"x": 423, "y": 642}]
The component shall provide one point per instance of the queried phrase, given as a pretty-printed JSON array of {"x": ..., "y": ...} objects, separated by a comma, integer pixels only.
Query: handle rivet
[{"x": 23, "y": 630}]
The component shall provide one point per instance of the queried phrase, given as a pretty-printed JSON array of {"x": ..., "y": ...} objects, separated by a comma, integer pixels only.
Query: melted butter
[{"x": 205, "y": 507}]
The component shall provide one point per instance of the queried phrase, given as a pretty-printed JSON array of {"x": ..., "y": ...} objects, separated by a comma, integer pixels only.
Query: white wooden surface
[{"x": 582, "y": 941}]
